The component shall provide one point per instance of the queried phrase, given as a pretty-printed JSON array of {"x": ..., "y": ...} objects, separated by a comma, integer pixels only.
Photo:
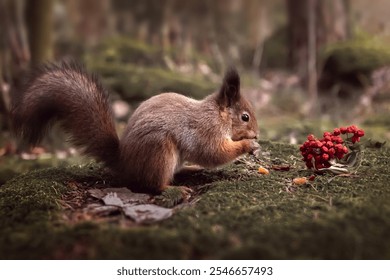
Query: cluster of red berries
[{"x": 318, "y": 152}]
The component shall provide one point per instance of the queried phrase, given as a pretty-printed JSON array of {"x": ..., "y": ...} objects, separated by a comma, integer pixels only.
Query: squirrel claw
[{"x": 186, "y": 192}]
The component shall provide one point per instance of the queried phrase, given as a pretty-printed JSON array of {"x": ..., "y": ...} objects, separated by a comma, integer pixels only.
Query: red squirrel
[{"x": 162, "y": 134}]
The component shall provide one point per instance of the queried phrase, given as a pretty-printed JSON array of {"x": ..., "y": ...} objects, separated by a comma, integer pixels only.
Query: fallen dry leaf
[
  {"x": 281, "y": 167},
  {"x": 112, "y": 199},
  {"x": 147, "y": 213},
  {"x": 126, "y": 195},
  {"x": 263, "y": 170},
  {"x": 300, "y": 181},
  {"x": 135, "y": 206}
]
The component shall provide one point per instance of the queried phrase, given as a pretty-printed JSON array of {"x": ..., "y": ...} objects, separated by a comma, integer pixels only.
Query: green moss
[
  {"x": 138, "y": 71},
  {"x": 237, "y": 214},
  {"x": 353, "y": 61},
  {"x": 33, "y": 196},
  {"x": 135, "y": 83},
  {"x": 126, "y": 50},
  {"x": 359, "y": 55}
]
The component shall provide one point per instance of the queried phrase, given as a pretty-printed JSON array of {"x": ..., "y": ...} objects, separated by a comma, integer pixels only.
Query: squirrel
[{"x": 162, "y": 134}]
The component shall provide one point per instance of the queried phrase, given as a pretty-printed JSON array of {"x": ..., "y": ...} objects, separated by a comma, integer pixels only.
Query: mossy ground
[{"x": 236, "y": 213}]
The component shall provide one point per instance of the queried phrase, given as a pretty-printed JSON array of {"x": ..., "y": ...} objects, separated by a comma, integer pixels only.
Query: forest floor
[{"x": 233, "y": 213}]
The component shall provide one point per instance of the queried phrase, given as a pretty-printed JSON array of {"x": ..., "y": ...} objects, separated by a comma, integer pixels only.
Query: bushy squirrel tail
[{"x": 65, "y": 93}]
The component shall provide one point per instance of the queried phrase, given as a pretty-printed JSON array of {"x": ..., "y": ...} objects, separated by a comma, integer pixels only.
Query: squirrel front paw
[{"x": 254, "y": 147}]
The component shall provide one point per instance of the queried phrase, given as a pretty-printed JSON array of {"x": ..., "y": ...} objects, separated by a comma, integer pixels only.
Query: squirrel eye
[{"x": 245, "y": 117}]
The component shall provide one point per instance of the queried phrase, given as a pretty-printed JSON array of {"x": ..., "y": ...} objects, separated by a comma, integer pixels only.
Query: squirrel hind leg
[{"x": 152, "y": 172}]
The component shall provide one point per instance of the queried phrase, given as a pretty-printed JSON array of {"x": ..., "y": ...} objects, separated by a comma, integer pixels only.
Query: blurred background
[{"x": 306, "y": 65}]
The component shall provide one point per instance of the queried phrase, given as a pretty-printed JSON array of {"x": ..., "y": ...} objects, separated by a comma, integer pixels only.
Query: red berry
[
  {"x": 312, "y": 177},
  {"x": 325, "y": 157},
  {"x": 317, "y": 152},
  {"x": 360, "y": 132},
  {"x": 338, "y": 139},
  {"x": 339, "y": 155},
  {"x": 327, "y": 138},
  {"x": 336, "y": 131},
  {"x": 319, "y": 166},
  {"x": 338, "y": 147},
  {"x": 329, "y": 144},
  {"x": 313, "y": 144},
  {"x": 355, "y": 139},
  {"x": 351, "y": 129}
]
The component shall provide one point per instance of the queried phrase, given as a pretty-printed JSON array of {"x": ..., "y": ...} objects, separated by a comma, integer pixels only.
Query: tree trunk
[
  {"x": 312, "y": 56},
  {"x": 312, "y": 25},
  {"x": 39, "y": 23},
  {"x": 14, "y": 54},
  {"x": 331, "y": 26}
]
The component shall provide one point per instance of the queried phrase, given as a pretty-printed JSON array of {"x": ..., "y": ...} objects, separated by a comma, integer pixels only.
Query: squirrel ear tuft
[{"x": 229, "y": 92}]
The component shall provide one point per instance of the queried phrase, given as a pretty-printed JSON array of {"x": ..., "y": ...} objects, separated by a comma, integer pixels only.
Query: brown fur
[
  {"x": 66, "y": 93},
  {"x": 164, "y": 132}
]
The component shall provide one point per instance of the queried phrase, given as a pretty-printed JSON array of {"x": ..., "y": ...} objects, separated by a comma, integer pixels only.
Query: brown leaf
[{"x": 281, "y": 167}]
